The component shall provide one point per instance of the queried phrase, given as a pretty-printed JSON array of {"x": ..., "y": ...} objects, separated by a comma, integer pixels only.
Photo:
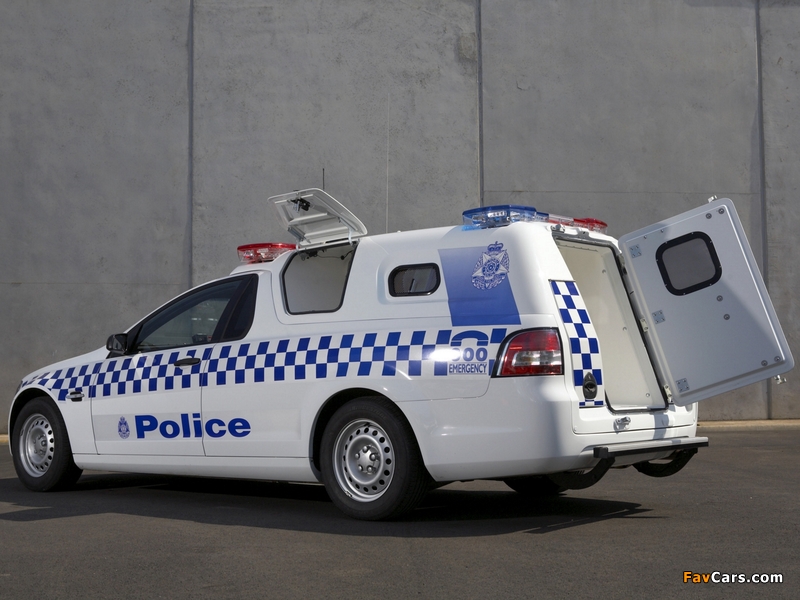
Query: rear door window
[{"x": 688, "y": 263}]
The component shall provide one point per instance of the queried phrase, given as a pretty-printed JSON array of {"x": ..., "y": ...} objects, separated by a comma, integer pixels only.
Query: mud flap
[
  {"x": 580, "y": 481},
  {"x": 654, "y": 469}
]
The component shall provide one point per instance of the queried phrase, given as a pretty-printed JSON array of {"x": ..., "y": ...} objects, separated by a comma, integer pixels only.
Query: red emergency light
[{"x": 258, "y": 253}]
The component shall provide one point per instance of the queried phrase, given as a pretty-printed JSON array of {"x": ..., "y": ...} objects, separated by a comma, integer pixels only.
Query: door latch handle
[
  {"x": 75, "y": 395},
  {"x": 621, "y": 423},
  {"x": 186, "y": 362}
]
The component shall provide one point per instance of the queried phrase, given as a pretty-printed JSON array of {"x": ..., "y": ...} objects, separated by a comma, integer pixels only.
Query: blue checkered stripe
[
  {"x": 383, "y": 354},
  {"x": 584, "y": 346},
  {"x": 62, "y": 381},
  {"x": 148, "y": 372}
]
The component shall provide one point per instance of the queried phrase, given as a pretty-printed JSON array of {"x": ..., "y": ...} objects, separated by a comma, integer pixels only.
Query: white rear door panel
[{"x": 708, "y": 320}]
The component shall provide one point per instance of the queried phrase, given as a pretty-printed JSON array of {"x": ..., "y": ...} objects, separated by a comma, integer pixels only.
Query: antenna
[{"x": 388, "y": 107}]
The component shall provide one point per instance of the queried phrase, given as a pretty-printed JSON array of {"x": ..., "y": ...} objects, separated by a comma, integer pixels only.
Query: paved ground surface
[{"x": 733, "y": 509}]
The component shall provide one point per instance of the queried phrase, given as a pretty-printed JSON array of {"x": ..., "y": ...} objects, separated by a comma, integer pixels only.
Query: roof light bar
[
  {"x": 258, "y": 253},
  {"x": 498, "y": 216}
]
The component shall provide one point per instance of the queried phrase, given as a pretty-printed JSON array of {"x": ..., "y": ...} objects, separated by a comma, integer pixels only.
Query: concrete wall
[
  {"x": 780, "y": 59},
  {"x": 626, "y": 111},
  {"x": 94, "y": 184},
  {"x": 382, "y": 96},
  {"x": 139, "y": 141}
]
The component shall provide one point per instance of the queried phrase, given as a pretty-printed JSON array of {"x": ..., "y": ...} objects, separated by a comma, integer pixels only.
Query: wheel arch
[
  {"x": 334, "y": 403},
  {"x": 21, "y": 400}
]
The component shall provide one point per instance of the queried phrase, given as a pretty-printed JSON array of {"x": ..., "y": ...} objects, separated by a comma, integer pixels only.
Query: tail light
[{"x": 532, "y": 352}]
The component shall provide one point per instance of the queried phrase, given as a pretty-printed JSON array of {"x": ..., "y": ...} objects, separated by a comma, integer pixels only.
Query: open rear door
[{"x": 705, "y": 312}]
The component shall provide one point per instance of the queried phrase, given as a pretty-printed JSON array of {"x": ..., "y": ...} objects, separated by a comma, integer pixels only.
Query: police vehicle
[{"x": 520, "y": 346}]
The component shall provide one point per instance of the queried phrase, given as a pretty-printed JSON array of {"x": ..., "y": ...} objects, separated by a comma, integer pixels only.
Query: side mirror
[{"x": 117, "y": 344}]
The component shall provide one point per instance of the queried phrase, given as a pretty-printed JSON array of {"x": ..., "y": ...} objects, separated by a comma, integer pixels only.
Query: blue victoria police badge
[
  {"x": 122, "y": 429},
  {"x": 492, "y": 268}
]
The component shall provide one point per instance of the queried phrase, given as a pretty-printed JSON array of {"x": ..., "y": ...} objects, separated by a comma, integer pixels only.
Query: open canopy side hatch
[
  {"x": 703, "y": 306},
  {"x": 315, "y": 218}
]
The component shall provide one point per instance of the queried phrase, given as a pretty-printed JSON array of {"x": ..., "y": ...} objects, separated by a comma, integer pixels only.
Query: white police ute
[{"x": 520, "y": 346}]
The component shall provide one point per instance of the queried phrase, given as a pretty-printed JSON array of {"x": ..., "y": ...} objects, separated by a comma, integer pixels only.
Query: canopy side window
[
  {"x": 688, "y": 263},
  {"x": 314, "y": 281},
  {"x": 414, "y": 280}
]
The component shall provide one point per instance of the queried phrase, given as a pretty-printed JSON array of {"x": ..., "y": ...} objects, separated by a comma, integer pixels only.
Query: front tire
[
  {"x": 41, "y": 449},
  {"x": 371, "y": 466}
]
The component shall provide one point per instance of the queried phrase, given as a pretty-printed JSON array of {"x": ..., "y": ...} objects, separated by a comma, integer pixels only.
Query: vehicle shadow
[{"x": 445, "y": 512}]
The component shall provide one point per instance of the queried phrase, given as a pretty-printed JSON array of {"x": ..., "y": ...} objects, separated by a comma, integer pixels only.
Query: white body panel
[
  {"x": 58, "y": 381},
  {"x": 168, "y": 415},
  {"x": 271, "y": 469}
]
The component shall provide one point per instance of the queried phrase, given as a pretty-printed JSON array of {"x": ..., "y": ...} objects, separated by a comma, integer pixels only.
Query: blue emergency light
[{"x": 487, "y": 217}]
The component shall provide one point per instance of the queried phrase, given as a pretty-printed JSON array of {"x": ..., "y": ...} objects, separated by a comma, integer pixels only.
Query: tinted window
[
  {"x": 200, "y": 317},
  {"x": 688, "y": 263},
  {"x": 315, "y": 280},
  {"x": 414, "y": 280},
  {"x": 242, "y": 314}
]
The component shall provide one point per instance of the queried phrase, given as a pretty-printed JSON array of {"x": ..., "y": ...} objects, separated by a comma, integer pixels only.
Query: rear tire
[
  {"x": 371, "y": 466},
  {"x": 41, "y": 450}
]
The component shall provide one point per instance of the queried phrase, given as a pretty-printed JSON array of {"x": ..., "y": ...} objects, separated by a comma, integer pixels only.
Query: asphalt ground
[{"x": 732, "y": 510}]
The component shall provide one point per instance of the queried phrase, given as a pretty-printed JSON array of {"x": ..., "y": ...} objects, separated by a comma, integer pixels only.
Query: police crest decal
[
  {"x": 492, "y": 267},
  {"x": 123, "y": 429}
]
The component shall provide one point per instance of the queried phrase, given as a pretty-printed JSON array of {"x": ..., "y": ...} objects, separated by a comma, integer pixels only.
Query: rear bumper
[{"x": 647, "y": 448}]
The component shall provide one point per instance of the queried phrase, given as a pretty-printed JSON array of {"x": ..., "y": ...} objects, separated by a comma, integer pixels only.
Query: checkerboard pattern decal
[
  {"x": 149, "y": 372},
  {"x": 327, "y": 356},
  {"x": 583, "y": 342},
  {"x": 384, "y": 354},
  {"x": 62, "y": 381}
]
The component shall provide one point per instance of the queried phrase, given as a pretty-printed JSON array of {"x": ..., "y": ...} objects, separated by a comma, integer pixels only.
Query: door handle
[{"x": 186, "y": 362}]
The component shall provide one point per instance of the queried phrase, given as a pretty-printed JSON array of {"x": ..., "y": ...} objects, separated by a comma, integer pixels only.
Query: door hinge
[
  {"x": 668, "y": 392},
  {"x": 643, "y": 323}
]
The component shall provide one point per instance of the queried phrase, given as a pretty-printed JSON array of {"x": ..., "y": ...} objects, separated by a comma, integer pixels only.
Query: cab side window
[
  {"x": 216, "y": 312},
  {"x": 315, "y": 280},
  {"x": 242, "y": 314}
]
